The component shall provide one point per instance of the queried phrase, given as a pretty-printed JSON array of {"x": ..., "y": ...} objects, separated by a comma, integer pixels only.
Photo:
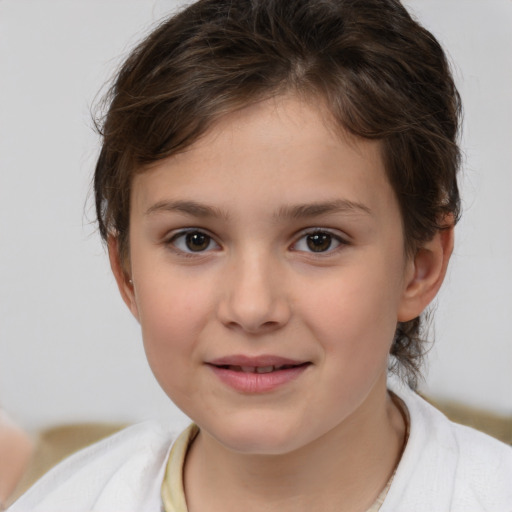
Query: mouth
[
  {"x": 259, "y": 369},
  {"x": 257, "y": 375}
]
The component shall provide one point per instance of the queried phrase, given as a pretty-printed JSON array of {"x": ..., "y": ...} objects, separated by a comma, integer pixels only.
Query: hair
[{"x": 381, "y": 75}]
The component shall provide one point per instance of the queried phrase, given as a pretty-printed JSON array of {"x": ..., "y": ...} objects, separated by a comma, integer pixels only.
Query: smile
[
  {"x": 257, "y": 375},
  {"x": 258, "y": 369}
]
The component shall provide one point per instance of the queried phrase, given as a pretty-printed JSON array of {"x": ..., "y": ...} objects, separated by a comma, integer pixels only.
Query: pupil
[
  {"x": 319, "y": 242},
  {"x": 197, "y": 241}
]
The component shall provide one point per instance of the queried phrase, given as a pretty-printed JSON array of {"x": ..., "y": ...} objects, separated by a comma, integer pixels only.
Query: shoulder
[
  {"x": 447, "y": 466},
  {"x": 121, "y": 472}
]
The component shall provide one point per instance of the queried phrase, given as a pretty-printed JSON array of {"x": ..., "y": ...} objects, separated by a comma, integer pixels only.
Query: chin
[{"x": 253, "y": 437}]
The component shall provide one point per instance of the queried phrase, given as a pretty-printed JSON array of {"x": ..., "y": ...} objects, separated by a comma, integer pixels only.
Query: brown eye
[
  {"x": 197, "y": 241},
  {"x": 193, "y": 241},
  {"x": 319, "y": 242}
]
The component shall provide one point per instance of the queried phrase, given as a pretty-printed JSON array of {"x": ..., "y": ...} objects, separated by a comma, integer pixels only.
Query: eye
[
  {"x": 318, "y": 242},
  {"x": 193, "y": 241}
]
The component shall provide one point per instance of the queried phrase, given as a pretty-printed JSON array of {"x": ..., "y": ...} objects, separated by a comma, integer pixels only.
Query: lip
[
  {"x": 251, "y": 375},
  {"x": 262, "y": 360}
]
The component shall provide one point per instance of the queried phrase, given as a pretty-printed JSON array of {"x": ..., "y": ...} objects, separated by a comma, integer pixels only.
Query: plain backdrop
[{"x": 69, "y": 349}]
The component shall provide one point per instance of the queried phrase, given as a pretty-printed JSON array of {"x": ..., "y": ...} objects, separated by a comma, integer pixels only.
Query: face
[{"x": 268, "y": 275}]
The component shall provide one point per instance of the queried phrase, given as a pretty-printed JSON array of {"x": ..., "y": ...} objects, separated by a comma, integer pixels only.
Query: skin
[
  {"x": 15, "y": 452},
  {"x": 260, "y": 184}
]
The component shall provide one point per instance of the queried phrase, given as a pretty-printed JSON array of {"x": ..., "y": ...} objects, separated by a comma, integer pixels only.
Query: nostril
[{"x": 261, "y": 327}]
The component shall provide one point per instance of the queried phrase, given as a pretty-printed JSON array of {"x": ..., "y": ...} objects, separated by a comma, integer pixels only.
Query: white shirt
[{"x": 445, "y": 468}]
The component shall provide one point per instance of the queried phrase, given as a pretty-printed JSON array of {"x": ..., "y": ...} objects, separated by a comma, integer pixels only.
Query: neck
[{"x": 344, "y": 470}]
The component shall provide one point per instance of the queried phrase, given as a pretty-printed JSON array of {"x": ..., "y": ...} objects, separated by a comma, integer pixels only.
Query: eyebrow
[
  {"x": 299, "y": 211},
  {"x": 192, "y": 208},
  {"x": 302, "y": 211}
]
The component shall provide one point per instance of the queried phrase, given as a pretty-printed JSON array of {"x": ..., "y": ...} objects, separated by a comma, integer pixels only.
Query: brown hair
[{"x": 381, "y": 75}]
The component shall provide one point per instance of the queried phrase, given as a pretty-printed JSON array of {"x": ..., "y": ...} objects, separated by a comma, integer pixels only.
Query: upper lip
[{"x": 257, "y": 361}]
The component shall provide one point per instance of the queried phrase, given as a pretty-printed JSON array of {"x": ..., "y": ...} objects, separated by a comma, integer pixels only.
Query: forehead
[{"x": 283, "y": 150}]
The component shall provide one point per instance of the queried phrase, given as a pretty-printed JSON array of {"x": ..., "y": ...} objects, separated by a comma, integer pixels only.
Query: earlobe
[
  {"x": 124, "y": 282},
  {"x": 426, "y": 274}
]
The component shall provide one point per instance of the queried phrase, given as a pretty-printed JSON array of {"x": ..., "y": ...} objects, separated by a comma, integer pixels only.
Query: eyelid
[
  {"x": 170, "y": 239},
  {"x": 343, "y": 240}
]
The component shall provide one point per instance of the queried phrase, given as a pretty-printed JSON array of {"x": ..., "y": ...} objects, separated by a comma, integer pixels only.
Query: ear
[
  {"x": 425, "y": 274},
  {"x": 123, "y": 279}
]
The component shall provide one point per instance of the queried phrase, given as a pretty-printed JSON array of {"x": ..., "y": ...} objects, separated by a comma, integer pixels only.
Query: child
[{"x": 277, "y": 189}]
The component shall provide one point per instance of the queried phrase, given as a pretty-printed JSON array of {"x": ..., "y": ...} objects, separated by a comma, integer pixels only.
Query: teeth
[
  {"x": 258, "y": 369},
  {"x": 252, "y": 369},
  {"x": 264, "y": 369}
]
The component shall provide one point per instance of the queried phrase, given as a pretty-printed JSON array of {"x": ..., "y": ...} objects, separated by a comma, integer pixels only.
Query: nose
[{"x": 254, "y": 295}]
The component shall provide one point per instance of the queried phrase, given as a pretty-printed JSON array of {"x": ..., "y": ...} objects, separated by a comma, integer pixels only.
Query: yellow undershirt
[{"x": 173, "y": 492}]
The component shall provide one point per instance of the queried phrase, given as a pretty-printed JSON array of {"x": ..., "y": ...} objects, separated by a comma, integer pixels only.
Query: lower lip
[{"x": 254, "y": 383}]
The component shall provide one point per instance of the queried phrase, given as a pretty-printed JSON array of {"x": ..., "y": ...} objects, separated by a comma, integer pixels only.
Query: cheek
[
  {"x": 172, "y": 315},
  {"x": 354, "y": 313}
]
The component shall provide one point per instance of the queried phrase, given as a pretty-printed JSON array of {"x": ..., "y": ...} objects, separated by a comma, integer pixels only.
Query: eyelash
[
  {"x": 182, "y": 235},
  {"x": 316, "y": 232},
  {"x": 181, "y": 238}
]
